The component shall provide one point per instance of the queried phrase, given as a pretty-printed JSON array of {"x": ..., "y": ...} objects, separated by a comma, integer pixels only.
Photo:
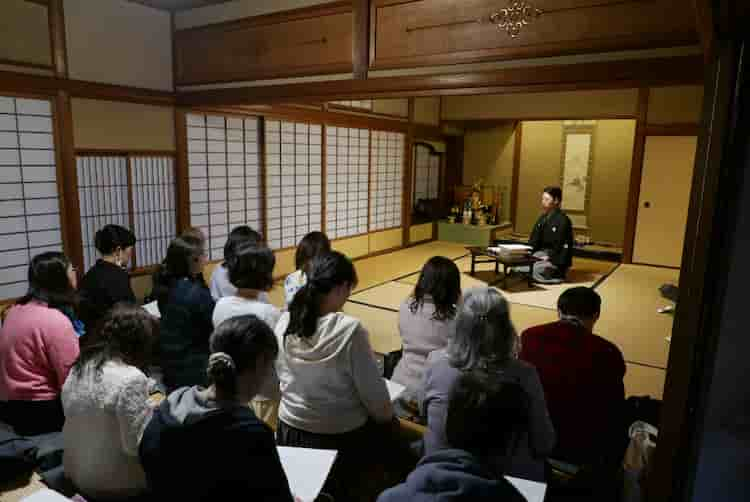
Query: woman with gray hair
[{"x": 485, "y": 340}]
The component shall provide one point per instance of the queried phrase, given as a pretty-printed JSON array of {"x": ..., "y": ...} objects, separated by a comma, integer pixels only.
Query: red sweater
[{"x": 582, "y": 376}]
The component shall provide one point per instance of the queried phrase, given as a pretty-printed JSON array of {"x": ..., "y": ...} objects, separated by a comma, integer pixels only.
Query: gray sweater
[
  {"x": 527, "y": 461},
  {"x": 420, "y": 335}
]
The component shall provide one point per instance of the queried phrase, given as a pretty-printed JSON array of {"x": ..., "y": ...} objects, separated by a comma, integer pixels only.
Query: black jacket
[
  {"x": 553, "y": 233},
  {"x": 104, "y": 285},
  {"x": 186, "y": 325},
  {"x": 194, "y": 450},
  {"x": 452, "y": 476}
]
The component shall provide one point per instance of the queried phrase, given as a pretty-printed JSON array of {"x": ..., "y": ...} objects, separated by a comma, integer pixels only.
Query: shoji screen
[
  {"x": 293, "y": 181},
  {"x": 29, "y": 199},
  {"x": 137, "y": 192},
  {"x": 386, "y": 190},
  {"x": 426, "y": 173},
  {"x": 154, "y": 210},
  {"x": 103, "y": 198},
  {"x": 224, "y": 165},
  {"x": 347, "y": 180}
]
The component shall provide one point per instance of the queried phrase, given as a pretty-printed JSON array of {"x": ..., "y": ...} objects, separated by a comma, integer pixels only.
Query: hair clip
[{"x": 221, "y": 357}]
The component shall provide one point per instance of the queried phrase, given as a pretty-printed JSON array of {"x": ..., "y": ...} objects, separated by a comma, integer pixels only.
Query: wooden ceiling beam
[{"x": 615, "y": 74}]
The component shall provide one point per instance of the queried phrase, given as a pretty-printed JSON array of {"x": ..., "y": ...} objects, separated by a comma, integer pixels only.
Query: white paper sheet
[
  {"x": 45, "y": 496},
  {"x": 394, "y": 389},
  {"x": 306, "y": 470},
  {"x": 532, "y": 490},
  {"x": 153, "y": 309}
]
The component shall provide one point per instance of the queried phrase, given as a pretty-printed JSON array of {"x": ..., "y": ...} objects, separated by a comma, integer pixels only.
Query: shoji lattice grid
[
  {"x": 29, "y": 199},
  {"x": 293, "y": 181},
  {"x": 386, "y": 189},
  {"x": 426, "y": 173},
  {"x": 154, "y": 209},
  {"x": 224, "y": 166},
  {"x": 102, "y": 197},
  {"x": 347, "y": 181}
]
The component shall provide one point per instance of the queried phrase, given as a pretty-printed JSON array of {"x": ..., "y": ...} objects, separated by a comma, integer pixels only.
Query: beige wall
[
  {"x": 549, "y": 105},
  {"x": 119, "y": 42},
  {"x": 387, "y": 239},
  {"x": 126, "y": 126},
  {"x": 24, "y": 33},
  {"x": 675, "y": 105},
  {"x": 541, "y": 153},
  {"x": 395, "y": 107},
  {"x": 488, "y": 154},
  {"x": 427, "y": 111},
  {"x": 353, "y": 247},
  {"x": 613, "y": 160},
  {"x": 541, "y": 159},
  {"x": 418, "y": 233},
  {"x": 235, "y": 10}
]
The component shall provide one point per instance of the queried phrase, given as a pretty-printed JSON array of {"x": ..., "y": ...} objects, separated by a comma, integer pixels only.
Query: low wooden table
[{"x": 477, "y": 253}]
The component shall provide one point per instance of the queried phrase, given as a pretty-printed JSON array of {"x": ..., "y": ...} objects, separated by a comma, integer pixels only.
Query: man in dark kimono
[{"x": 552, "y": 240}]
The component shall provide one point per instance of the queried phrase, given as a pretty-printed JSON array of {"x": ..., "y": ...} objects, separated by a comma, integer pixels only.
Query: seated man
[
  {"x": 582, "y": 376},
  {"x": 484, "y": 417},
  {"x": 552, "y": 240}
]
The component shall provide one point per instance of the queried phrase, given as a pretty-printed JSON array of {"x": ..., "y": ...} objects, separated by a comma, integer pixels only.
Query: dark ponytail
[
  {"x": 326, "y": 272},
  {"x": 235, "y": 347},
  {"x": 181, "y": 256}
]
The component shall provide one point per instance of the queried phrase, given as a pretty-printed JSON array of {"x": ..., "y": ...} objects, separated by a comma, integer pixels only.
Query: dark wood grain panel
[
  {"x": 433, "y": 32},
  {"x": 296, "y": 44}
]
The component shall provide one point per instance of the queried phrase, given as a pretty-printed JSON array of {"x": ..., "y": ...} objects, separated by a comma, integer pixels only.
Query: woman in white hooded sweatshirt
[{"x": 332, "y": 393}]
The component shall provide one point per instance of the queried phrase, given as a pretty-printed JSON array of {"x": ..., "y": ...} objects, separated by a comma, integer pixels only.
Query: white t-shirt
[
  {"x": 221, "y": 287},
  {"x": 233, "y": 306}
]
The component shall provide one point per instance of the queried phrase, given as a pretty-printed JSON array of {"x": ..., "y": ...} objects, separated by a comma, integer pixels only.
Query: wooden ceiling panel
[{"x": 415, "y": 33}]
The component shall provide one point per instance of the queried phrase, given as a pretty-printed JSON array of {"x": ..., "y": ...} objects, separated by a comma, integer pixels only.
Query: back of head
[
  {"x": 441, "y": 280},
  {"x": 196, "y": 233},
  {"x": 251, "y": 267},
  {"x": 49, "y": 282},
  {"x": 111, "y": 237},
  {"x": 554, "y": 191},
  {"x": 485, "y": 336},
  {"x": 325, "y": 272},
  {"x": 485, "y": 415},
  {"x": 240, "y": 236},
  {"x": 239, "y": 344},
  {"x": 312, "y": 245},
  {"x": 127, "y": 334},
  {"x": 183, "y": 254},
  {"x": 579, "y": 303}
]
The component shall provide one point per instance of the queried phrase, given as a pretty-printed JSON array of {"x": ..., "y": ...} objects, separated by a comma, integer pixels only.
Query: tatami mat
[
  {"x": 630, "y": 298},
  {"x": 387, "y": 296},
  {"x": 644, "y": 381},
  {"x": 390, "y": 266},
  {"x": 382, "y": 325}
]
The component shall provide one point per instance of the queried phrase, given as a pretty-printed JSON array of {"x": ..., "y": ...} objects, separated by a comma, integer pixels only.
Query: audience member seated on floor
[
  {"x": 486, "y": 340},
  {"x": 38, "y": 345},
  {"x": 108, "y": 281},
  {"x": 485, "y": 416},
  {"x": 332, "y": 393},
  {"x": 426, "y": 322},
  {"x": 312, "y": 245},
  {"x": 206, "y": 443},
  {"x": 552, "y": 240},
  {"x": 582, "y": 375},
  {"x": 251, "y": 274},
  {"x": 186, "y": 309},
  {"x": 106, "y": 403},
  {"x": 239, "y": 236}
]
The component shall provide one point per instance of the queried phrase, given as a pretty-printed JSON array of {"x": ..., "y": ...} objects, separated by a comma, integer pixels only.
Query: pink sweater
[{"x": 37, "y": 348}]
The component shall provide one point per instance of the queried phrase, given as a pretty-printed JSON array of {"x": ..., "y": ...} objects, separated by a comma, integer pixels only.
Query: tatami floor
[{"x": 630, "y": 299}]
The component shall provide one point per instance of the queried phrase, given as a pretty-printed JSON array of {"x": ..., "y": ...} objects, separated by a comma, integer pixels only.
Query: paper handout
[{"x": 306, "y": 470}]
